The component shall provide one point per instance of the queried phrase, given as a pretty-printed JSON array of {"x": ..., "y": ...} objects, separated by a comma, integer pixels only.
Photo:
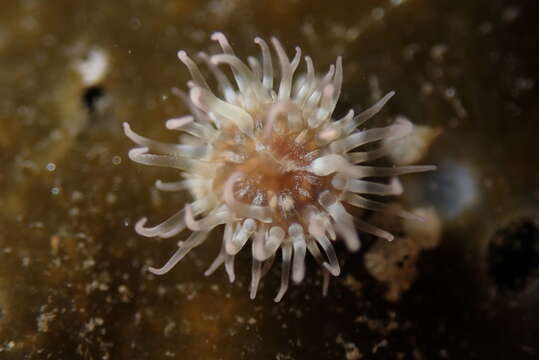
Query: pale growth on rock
[{"x": 93, "y": 69}]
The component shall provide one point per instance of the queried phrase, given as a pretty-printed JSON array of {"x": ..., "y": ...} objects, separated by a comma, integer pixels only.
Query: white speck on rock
[{"x": 94, "y": 68}]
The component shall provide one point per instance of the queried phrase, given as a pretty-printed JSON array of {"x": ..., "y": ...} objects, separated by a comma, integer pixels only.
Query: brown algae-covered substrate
[{"x": 73, "y": 273}]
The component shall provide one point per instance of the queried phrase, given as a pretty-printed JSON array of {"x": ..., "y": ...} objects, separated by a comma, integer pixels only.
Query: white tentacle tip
[
  {"x": 135, "y": 153},
  {"x": 353, "y": 246},
  {"x": 279, "y": 296},
  {"x": 333, "y": 270},
  {"x": 214, "y": 60},
  {"x": 177, "y": 123},
  {"x": 202, "y": 55},
  {"x": 139, "y": 226},
  {"x": 156, "y": 271},
  {"x": 218, "y": 36},
  {"x": 182, "y": 55},
  {"x": 158, "y": 184},
  {"x": 127, "y": 128},
  {"x": 396, "y": 186},
  {"x": 190, "y": 221},
  {"x": 231, "y": 278},
  {"x": 297, "y": 277}
]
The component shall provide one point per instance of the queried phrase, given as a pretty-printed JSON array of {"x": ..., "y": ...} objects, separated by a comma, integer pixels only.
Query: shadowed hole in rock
[
  {"x": 91, "y": 98},
  {"x": 513, "y": 255}
]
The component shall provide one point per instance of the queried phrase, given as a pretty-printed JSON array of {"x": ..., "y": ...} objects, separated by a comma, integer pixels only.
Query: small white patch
[
  {"x": 328, "y": 134},
  {"x": 304, "y": 193},
  {"x": 234, "y": 157},
  {"x": 311, "y": 155},
  {"x": 411, "y": 148},
  {"x": 94, "y": 68},
  {"x": 244, "y": 190},
  {"x": 311, "y": 179},
  {"x": 286, "y": 203},
  {"x": 260, "y": 147},
  {"x": 239, "y": 139},
  {"x": 259, "y": 198}
]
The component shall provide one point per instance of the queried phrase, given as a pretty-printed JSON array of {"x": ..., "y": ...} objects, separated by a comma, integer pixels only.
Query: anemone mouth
[{"x": 268, "y": 162}]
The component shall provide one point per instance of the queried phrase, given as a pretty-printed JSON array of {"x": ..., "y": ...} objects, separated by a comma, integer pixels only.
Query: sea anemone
[{"x": 271, "y": 165}]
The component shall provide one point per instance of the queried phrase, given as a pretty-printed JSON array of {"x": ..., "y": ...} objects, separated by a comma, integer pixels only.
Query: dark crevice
[
  {"x": 513, "y": 255},
  {"x": 91, "y": 98}
]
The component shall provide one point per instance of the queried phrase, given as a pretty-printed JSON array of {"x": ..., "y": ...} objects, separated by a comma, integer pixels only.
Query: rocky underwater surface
[{"x": 74, "y": 280}]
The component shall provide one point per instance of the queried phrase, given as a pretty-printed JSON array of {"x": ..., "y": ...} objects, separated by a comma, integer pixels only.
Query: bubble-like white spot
[{"x": 116, "y": 160}]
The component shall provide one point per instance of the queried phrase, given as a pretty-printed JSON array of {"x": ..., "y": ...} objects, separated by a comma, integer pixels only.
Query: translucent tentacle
[
  {"x": 329, "y": 164},
  {"x": 399, "y": 129},
  {"x": 141, "y": 156},
  {"x": 194, "y": 240},
  {"x": 222, "y": 80},
  {"x": 267, "y": 265},
  {"x": 241, "y": 236},
  {"x": 218, "y": 216},
  {"x": 178, "y": 185},
  {"x": 368, "y": 204},
  {"x": 229, "y": 267},
  {"x": 256, "y": 275},
  {"x": 371, "y": 229},
  {"x": 343, "y": 220},
  {"x": 367, "y": 114},
  {"x": 309, "y": 83},
  {"x": 262, "y": 213},
  {"x": 333, "y": 266},
  {"x": 256, "y": 68},
  {"x": 206, "y": 101},
  {"x": 285, "y": 270},
  {"x": 366, "y": 187},
  {"x": 295, "y": 231},
  {"x": 287, "y": 69},
  {"x": 173, "y": 225},
  {"x": 267, "y": 67},
  {"x": 244, "y": 76},
  {"x": 193, "y": 69}
]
